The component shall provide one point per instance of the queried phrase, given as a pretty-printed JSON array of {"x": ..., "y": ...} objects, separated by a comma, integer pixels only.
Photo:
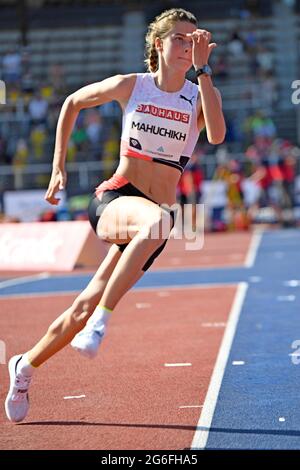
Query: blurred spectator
[
  {"x": 79, "y": 136},
  {"x": 47, "y": 91},
  {"x": 288, "y": 168},
  {"x": 11, "y": 67},
  {"x": 4, "y": 156},
  {"x": 94, "y": 131},
  {"x": 235, "y": 45},
  {"x": 48, "y": 216},
  {"x": 57, "y": 79},
  {"x": 71, "y": 151},
  {"x": 93, "y": 126},
  {"x": 215, "y": 200},
  {"x": 264, "y": 58},
  {"x": 222, "y": 155},
  {"x": 231, "y": 174},
  {"x": 25, "y": 61},
  {"x": 110, "y": 111},
  {"x": 259, "y": 125},
  {"x": 221, "y": 67},
  {"x": 255, "y": 7},
  {"x": 269, "y": 92},
  {"x": 38, "y": 138},
  {"x": 251, "y": 193},
  {"x": 38, "y": 108},
  {"x": 27, "y": 83},
  {"x": 111, "y": 150},
  {"x": 189, "y": 188},
  {"x": 21, "y": 154},
  {"x": 250, "y": 42}
]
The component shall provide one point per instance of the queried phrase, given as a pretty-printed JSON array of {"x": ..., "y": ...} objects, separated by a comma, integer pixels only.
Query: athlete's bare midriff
[{"x": 154, "y": 179}]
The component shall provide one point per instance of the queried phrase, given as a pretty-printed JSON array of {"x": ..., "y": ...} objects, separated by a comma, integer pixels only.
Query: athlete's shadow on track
[
  {"x": 121, "y": 425},
  {"x": 255, "y": 431},
  {"x": 165, "y": 426}
]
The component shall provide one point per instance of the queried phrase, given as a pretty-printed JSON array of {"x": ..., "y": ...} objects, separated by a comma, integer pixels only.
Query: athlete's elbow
[
  {"x": 216, "y": 139},
  {"x": 72, "y": 103},
  {"x": 217, "y": 135}
]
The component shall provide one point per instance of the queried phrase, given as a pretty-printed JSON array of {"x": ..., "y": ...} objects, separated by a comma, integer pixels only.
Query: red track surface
[
  {"x": 132, "y": 401},
  {"x": 228, "y": 249}
]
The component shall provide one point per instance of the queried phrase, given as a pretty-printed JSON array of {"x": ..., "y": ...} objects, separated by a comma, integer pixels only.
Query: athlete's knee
[{"x": 81, "y": 310}]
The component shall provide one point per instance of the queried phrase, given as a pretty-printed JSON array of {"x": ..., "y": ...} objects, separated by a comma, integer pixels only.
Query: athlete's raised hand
[
  {"x": 57, "y": 182},
  {"x": 202, "y": 47}
]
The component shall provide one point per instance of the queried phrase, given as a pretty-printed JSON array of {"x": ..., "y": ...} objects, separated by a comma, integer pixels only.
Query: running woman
[{"x": 163, "y": 114}]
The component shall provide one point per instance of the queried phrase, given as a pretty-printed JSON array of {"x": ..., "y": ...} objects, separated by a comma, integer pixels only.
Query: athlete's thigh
[{"x": 123, "y": 217}]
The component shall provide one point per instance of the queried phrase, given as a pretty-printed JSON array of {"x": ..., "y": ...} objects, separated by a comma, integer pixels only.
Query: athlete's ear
[{"x": 158, "y": 44}]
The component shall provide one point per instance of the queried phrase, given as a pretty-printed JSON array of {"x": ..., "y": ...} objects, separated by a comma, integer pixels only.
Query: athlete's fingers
[
  {"x": 52, "y": 199},
  {"x": 62, "y": 180},
  {"x": 212, "y": 46},
  {"x": 50, "y": 194}
]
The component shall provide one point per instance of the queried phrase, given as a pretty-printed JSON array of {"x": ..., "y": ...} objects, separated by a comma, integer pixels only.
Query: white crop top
[{"x": 159, "y": 125}]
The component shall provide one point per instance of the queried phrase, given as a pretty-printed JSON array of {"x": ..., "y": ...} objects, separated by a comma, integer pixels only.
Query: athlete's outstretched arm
[{"x": 116, "y": 88}]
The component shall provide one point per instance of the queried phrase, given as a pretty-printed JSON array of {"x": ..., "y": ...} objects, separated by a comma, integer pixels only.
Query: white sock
[
  {"x": 25, "y": 367},
  {"x": 99, "y": 318}
]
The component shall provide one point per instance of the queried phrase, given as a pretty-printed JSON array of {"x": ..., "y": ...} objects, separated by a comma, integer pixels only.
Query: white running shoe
[
  {"x": 17, "y": 401},
  {"x": 88, "y": 340}
]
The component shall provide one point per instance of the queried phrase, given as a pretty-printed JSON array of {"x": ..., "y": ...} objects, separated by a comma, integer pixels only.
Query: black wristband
[
  {"x": 199, "y": 72},
  {"x": 205, "y": 70}
]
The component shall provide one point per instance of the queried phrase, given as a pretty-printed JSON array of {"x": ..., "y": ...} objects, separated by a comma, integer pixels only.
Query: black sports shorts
[{"x": 97, "y": 206}]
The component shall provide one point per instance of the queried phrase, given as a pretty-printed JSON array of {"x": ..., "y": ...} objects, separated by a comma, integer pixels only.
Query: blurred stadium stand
[{"x": 64, "y": 45}]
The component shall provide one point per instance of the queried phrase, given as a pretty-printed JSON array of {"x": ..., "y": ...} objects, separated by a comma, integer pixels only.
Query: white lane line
[
  {"x": 214, "y": 325},
  {"x": 142, "y": 305},
  {"x": 292, "y": 283},
  {"x": 22, "y": 280},
  {"x": 136, "y": 289},
  {"x": 179, "y": 364},
  {"x": 74, "y": 397},
  {"x": 238, "y": 363},
  {"x": 171, "y": 288},
  {"x": 33, "y": 295},
  {"x": 204, "y": 423},
  {"x": 286, "y": 298},
  {"x": 252, "y": 251},
  {"x": 163, "y": 294},
  {"x": 190, "y": 406},
  {"x": 254, "y": 279}
]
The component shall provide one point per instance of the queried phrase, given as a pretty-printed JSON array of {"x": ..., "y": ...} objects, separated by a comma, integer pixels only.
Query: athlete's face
[{"x": 176, "y": 47}]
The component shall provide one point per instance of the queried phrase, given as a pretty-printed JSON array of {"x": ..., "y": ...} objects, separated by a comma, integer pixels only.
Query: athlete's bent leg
[
  {"x": 58, "y": 335},
  {"x": 136, "y": 258},
  {"x": 64, "y": 328}
]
